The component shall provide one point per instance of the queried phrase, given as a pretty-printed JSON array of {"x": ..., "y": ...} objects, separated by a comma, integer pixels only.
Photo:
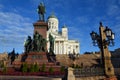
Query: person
[
  {"x": 41, "y": 11},
  {"x": 36, "y": 41},
  {"x": 51, "y": 39},
  {"x": 27, "y": 44}
]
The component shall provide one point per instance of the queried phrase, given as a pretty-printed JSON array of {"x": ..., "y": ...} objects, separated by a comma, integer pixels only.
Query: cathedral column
[
  {"x": 64, "y": 51},
  {"x": 78, "y": 49},
  {"x": 66, "y": 48},
  {"x": 58, "y": 47},
  {"x": 56, "y": 50},
  {"x": 62, "y": 48},
  {"x": 55, "y": 47}
]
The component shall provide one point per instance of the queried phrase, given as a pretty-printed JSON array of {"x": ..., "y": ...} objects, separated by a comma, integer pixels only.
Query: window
[
  {"x": 52, "y": 23},
  {"x": 49, "y": 23}
]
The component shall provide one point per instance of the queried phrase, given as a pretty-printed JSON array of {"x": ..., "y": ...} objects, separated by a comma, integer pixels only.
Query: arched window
[{"x": 49, "y": 23}]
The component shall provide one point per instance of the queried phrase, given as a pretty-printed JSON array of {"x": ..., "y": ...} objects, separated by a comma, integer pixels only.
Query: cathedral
[{"x": 61, "y": 43}]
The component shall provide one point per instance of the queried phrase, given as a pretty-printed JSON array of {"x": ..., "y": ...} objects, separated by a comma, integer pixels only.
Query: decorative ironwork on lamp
[
  {"x": 110, "y": 36},
  {"x": 97, "y": 38}
]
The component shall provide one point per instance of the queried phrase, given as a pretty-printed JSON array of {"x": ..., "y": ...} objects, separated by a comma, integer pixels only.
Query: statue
[
  {"x": 39, "y": 43},
  {"x": 28, "y": 44},
  {"x": 51, "y": 39},
  {"x": 51, "y": 56},
  {"x": 41, "y": 11},
  {"x": 43, "y": 44},
  {"x": 36, "y": 42}
]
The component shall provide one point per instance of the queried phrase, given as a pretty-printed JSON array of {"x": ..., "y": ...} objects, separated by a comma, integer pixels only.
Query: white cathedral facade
[{"x": 61, "y": 44}]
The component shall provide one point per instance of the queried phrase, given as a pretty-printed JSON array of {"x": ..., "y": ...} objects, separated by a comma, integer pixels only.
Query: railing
[{"x": 86, "y": 72}]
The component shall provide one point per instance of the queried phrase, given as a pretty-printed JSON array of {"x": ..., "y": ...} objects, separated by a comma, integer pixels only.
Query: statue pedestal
[
  {"x": 36, "y": 57},
  {"x": 41, "y": 28},
  {"x": 71, "y": 76}
]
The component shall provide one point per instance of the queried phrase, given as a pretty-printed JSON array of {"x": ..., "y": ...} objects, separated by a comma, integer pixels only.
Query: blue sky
[{"x": 80, "y": 16}]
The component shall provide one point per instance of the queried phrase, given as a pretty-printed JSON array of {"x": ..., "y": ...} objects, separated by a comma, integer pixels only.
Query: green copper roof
[
  {"x": 64, "y": 26},
  {"x": 52, "y": 16}
]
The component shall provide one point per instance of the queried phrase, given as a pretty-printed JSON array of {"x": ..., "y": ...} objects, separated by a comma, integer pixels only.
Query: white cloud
[
  {"x": 113, "y": 7},
  {"x": 14, "y": 28},
  {"x": 113, "y": 10}
]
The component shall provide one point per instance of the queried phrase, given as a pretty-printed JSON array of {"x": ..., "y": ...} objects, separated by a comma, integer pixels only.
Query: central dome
[
  {"x": 52, "y": 16},
  {"x": 53, "y": 23}
]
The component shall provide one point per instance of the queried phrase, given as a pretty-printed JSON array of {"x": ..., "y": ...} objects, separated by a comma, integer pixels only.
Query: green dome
[
  {"x": 64, "y": 26},
  {"x": 52, "y": 16}
]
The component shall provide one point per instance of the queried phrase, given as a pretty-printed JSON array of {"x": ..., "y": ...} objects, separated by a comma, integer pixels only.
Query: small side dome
[
  {"x": 52, "y": 16},
  {"x": 64, "y": 26}
]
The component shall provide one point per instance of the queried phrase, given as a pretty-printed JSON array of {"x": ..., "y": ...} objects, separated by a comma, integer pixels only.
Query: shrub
[
  {"x": 4, "y": 69},
  {"x": 62, "y": 69},
  {"x": 1, "y": 64},
  {"x": 51, "y": 70},
  {"x": 31, "y": 68},
  {"x": 73, "y": 66},
  {"x": 36, "y": 68},
  {"x": 77, "y": 66},
  {"x": 24, "y": 67},
  {"x": 43, "y": 68}
]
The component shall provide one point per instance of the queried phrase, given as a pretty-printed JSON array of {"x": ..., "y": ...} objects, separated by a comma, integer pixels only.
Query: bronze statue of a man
[
  {"x": 41, "y": 11},
  {"x": 51, "y": 39},
  {"x": 36, "y": 41},
  {"x": 28, "y": 44}
]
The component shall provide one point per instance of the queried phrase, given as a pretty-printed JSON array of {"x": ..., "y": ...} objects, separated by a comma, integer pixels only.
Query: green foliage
[
  {"x": 1, "y": 64},
  {"x": 24, "y": 67},
  {"x": 62, "y": 69},
  {"x": 36, "y": 67},
  {"x": 77, "y": 66},
  {"x": 43, "y": 68},
  {"x": 4, "y": 69},
  {"x": 73, "y": 66},
  {"x": 51, "y": 69},
  {"x": 31, "y": 68}
]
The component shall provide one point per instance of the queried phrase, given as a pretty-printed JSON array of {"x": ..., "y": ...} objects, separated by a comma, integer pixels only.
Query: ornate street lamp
[
  {"x": 110, "y": 36},
  {"x": 97, "y": 38},
  {"x": 104, "y": 39}
]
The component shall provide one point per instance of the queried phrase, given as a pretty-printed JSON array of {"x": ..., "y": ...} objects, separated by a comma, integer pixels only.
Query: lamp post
[{"x": 104, "y": 39}]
